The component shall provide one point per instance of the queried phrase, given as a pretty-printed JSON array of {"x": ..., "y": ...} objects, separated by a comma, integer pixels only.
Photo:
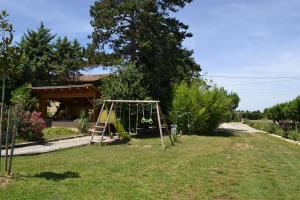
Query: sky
[{"x": 232, "y": 38}]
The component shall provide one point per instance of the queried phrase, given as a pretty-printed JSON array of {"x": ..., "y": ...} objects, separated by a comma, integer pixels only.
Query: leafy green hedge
[
  {"x": 273, "y": 128},
  {"x": 198, "y": 108}
]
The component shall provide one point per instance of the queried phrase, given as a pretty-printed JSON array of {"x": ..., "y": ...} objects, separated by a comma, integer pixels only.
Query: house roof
[
  {"x": 92, "y": 77},
  {"x": 66, "y": 91}
]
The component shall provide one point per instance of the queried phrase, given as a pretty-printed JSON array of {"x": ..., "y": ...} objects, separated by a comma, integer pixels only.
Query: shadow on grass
[
  {"x": 222, "y": 133},
  {"x": 147, "y": 134},
  {"x": 57, "y": 176}
]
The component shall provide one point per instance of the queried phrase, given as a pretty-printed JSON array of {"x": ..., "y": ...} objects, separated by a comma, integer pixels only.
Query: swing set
[{"x": 108, "y": 116}]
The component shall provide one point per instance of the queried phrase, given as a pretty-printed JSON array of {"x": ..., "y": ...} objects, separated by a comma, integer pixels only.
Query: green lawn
[{"x": 240, "y": 166}]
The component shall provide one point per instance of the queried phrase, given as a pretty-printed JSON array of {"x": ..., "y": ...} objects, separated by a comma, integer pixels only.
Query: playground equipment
[{"x": 108, "y": 116}]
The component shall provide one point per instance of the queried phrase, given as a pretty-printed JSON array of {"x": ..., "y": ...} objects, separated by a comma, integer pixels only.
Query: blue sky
[{"x": 231, "y": 38}]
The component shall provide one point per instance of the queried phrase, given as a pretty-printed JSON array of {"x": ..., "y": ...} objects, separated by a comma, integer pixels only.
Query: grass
[
  {"x": 225, "y": 166},
  {"x": 57, "y": 133},
  {"x": 53, "y": 134}
]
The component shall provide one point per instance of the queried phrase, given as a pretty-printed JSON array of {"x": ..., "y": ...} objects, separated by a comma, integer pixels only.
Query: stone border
[{"x": 285, "y": 139}]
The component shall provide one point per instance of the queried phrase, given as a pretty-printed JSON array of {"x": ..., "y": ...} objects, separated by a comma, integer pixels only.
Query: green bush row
[{"x": 274, "y": 129}]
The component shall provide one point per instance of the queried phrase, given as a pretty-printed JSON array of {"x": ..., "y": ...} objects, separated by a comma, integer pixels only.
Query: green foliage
[
  {"x": 144, "y": 32},
  {"x": 124, "y": 83},
  {"x": 8, "y": 52},
  {"x": 285, "y": 111},
  {"x": 252, "y": 115},
  {"x": 54, "y": 132},
  {"x": 294, "y": 135},
  {"x": 37, "y": 56},
  {"x": 23, "y": 97},
  {"x": 207, "y": 107},
  {"x": 273, "y": 128},
  {"x": 83, "y": 122},
  {"x": 31, "y": 125},
  {"x": 125, "y": 137},
  {"x": 46, "y": 61},
  {"x": 263, "y": 125},
  {"x": 69, "y": 57}
]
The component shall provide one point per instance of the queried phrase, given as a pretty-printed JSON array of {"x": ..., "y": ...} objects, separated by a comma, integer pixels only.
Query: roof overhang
[{"x": 67, "y": 91}]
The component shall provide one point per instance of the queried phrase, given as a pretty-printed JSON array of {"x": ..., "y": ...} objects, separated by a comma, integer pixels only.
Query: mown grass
[
  {"x": 225, "y": 166},
  {"x": 57, "y": 133}
]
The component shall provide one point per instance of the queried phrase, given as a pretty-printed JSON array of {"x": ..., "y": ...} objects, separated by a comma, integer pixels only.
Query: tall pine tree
[
  {"x": 37, "y": 56},
  {"x": 46, "y": 61},
  {"x": 144, "y": 32},
  {"x": 69, "y": 58}
]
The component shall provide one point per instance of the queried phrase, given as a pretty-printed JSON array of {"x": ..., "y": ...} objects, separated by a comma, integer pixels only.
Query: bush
[
  {"x": 31, "y": 125},
  {"x": 83, "y": 122},
  {"x": 23, "y": 98},
  {"x": 125, "y": 137},
  {"x": 58, "y": 131},
  {"x": 265, "y": 126},
  {"x": 271, "y": 128},
  {"x": 125, "y": 82},
  {"x": 198, "y": 108},
  {"x": 294, "y": 135}
]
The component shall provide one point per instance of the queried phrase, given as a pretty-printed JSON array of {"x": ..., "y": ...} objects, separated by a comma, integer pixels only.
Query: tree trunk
[
  {"x": 1, "y": 115},
  {"x": 6, "y": 140}
]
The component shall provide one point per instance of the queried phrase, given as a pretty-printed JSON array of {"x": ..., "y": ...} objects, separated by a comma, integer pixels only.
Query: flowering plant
[{"x": 31, "y": 125}]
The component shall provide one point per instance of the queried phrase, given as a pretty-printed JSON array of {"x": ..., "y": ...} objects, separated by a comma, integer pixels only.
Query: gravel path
[
  {"x": 51, "y": 146},
  {"x": 238, "y": 127}
]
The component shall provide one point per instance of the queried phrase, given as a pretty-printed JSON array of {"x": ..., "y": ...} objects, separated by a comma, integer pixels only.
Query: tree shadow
[
  {"x": 148, "y": 134},
  {"x": 57, "y": 176},
  {"x": 224, "y": 133}
]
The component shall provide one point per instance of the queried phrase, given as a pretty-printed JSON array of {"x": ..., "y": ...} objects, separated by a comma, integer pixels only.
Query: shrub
[
  {"x": 271, "y": 128},
  {"x": 83, "y": 122},
  {"x": 294, "y": 135},
  {"x": 201, "y": 107},
  {"x": 23, "y": 98},
  {"x": 125, "y": 137},
  {"x": 31, "y": 125},
  {"x": 58, "y": 131}
]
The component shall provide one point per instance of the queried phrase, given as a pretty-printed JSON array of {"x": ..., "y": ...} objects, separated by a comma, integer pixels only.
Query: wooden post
[
  {"x": 94, "y": 110},
  {"x": 167, "y": 130},
  {"x": 159, "y": 124},
  {"x": 6, "y": 140},
  {"x": 107, "y": 119},
  {"x": 43, "y": 107},
  {"x": 1, "y": 114},
  {"x": 13, "y": 141}
]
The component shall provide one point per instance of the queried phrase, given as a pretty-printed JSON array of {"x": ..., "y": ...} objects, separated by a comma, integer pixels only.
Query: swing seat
[{"x": 148, "y": 121}]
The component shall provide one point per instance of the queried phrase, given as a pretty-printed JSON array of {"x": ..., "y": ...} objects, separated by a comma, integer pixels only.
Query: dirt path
[{"x": 238, "y": 127}]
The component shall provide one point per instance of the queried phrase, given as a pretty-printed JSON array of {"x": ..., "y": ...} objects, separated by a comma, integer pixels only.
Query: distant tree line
[
  {"x": 288, "y": 112},
  {"x": 252, "y": 115}
]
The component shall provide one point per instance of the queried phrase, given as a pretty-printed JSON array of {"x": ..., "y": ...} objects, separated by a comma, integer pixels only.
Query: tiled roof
[{"x": 92, "y": 77}]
